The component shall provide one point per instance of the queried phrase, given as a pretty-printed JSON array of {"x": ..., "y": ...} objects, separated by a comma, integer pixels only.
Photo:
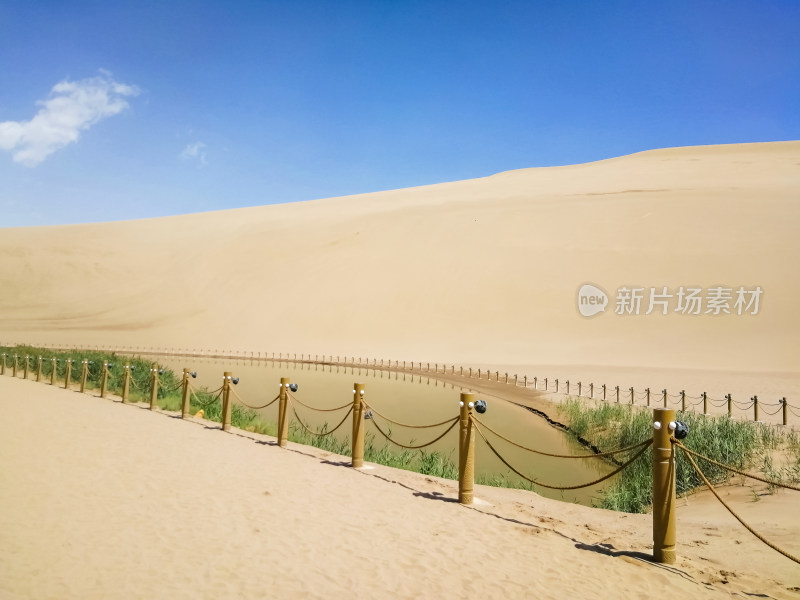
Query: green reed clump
[
  {"x": 432, "y": 463},
  {"x": 140, "y": 372},
  {"x": 739, "y": 444},
  {"x": 329, "y": 443},
  {"x": 437, "y": 464},
  {"x": 504, "y": 480}
]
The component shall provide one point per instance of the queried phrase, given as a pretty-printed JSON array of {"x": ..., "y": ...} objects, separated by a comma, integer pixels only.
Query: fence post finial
[
  {"x": 185, "y": 394},
  {"x": 126, "y": 381},
  {"x": 357, "y": 453},
  {"x": 663, "y": 487},
  {"x": 226, "y": 400},
  {"x": 153, "y": 386},
  {"x": 84, "y": 374},
  {"x": 283, "y": 421},
  {"x": 67, "y": 373},
  {"x": 103, "y": 377},
  {"x": 466, "y": 450}
]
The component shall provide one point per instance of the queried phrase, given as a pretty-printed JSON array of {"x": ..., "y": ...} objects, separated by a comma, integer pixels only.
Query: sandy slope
[
  {"x": 484, "y": 271},
  {"x": 101, "y": 500}
]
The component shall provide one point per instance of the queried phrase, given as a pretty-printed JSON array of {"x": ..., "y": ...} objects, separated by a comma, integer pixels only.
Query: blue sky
[{"x": 122, "y": 110}]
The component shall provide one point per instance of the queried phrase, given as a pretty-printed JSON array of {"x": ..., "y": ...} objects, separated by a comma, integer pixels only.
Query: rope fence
[
  {"x": 667, "y": 434},
  {"x": 324, "y": 433},
  {"x": 551, "y": 385},
  {"x": 642, "y": 447}
]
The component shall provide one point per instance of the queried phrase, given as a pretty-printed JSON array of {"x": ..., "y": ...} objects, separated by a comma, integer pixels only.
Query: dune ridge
[{"x": 480, "y": 272}]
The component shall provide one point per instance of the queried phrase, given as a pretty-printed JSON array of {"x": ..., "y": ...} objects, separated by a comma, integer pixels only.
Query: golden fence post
[
  {"x": 546, "y": 387},
  {"x": 729, "y": 398},
  {"x": 126, "y": 382},
  {"x": 683, "y": 400},
  {"x": 25, "y": 369},
  {"x": 226, "y": 400},
  {"x": 153, "y": 386},
  {"x": 185, "y": 396},
  {"x": 15, "y": 367},
  {"x": 755, "y": 409},
  {"x": 466, "y": 450},
  {"x": 663, "y": 487},
  {"x": 67, "y": 373},
  {"x": 783, "y": 402},
  {"x": 84, "y": 374},
  {"x": 506, "y": 378},
  {"x": 497, "y": 375},
  {"x": 53, "y": 371},
  {"x": 525, "y": 381},
  {"x": 283, "y": 421},
  {"x": 357, "y": 453},
  {"x": 103, "y": 378},
  {"x": 38, "y": 368}
]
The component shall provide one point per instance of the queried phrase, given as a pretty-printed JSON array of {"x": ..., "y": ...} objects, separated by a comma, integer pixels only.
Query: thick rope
[
  {"x": 446, "y": 431},
  {"x": 566, "y": 487},
  {"x": 393, "y": 422},
  {"x": 598, "y": 455},
  {"x": 208, "y": 403},
  {"x": 242, "y": 402},
  {"x": 303, "y": 425},
  {"x": 133, "y": 383},
  {"x": 293, "y": 397},
  {"x": 730, "y": 510},
  {"x": 172, "y": 389},
  {"x": 775, "y": 412},
  {"x": 733, "y": 470}
]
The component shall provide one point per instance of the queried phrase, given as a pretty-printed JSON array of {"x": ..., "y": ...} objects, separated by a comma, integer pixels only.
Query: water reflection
[{"x": 408, "y": 398}]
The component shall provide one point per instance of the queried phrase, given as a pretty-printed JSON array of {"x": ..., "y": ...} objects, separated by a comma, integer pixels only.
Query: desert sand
[
  {"x": 482, "y": 272},
  {"x": 105, "y": 500}
]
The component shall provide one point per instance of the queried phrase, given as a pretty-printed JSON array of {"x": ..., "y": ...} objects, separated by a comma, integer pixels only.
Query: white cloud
[
  {"x": 194, "y": 152},
  {"x": 73, "y": 106}
]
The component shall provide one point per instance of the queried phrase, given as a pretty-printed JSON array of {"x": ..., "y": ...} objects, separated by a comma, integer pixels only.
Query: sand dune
[
  {"x": 104, "y": 500},
  {"x": 484, "y": 271}
]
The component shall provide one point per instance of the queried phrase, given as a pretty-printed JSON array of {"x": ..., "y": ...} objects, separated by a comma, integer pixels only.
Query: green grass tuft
[{"x": 740, "y": 444}]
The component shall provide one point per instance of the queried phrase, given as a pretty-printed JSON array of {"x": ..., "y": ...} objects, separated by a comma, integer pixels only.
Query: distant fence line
[
  {"x": 752, "y": 408},
  {"x": 667, "y": 434}
]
